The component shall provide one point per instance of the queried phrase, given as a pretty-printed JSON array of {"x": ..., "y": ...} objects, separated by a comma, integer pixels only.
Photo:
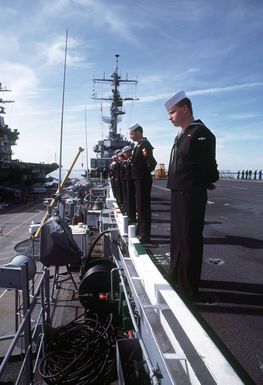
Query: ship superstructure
[
  {"x": 16, "y": 177},
  {"x": 105, "y": 148},
  {"x": 8, "y": 137}
]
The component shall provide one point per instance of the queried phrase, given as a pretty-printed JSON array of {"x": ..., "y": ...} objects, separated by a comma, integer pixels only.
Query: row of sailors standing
[
  {"x": 121, "y": 182},
  {"x": 192, "y": 171},
  {"x": 131, "y": 180}
]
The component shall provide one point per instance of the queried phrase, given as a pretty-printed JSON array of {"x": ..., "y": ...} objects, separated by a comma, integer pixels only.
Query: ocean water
[{"x": 74, "y": 174}]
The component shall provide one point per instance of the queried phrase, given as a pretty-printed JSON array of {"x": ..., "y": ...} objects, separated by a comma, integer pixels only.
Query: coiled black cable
[
  {"x": 87, "y": 259},
  {"x": 82, "y": 352}
]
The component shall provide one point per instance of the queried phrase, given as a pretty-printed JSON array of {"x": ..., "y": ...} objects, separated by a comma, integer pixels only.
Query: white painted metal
[{"x": 169, "y": 306}]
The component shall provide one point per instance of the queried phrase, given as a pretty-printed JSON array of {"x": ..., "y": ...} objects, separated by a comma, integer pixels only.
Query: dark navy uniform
[
  {"x": 113, "y": 177},
  {"x": 141, "y": 174},
  {"x": 130, "y": 202},
  {"x": 122, "y": 184},
  {"x": 119, "y": 193},
  {"x": 192, "y": 169}
]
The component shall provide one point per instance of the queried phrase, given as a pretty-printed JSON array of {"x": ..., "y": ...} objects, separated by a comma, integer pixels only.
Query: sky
[{"x": 210, "y": 49}]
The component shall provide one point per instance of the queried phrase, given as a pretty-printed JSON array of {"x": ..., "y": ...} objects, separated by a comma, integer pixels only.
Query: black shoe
[
  {"x": 204, "y": 299},
  {"x": 172, "y": 282},
  {"x": 144, "y": 240},
  {"x": 197, "y": 297}
]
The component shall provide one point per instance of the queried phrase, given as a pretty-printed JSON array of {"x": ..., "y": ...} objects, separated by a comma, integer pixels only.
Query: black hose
[
  {"x": 82, "y": 352},
  {"x": 84, "y": 267}
]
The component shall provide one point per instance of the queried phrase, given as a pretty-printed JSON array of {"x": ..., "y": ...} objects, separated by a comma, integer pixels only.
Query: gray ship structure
[
  {"x": 105, "y": 148},
  {"x": 16, "y": 178}
]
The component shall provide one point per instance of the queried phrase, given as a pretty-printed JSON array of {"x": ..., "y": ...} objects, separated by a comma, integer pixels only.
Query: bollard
[{"x": 124, "y": 225}]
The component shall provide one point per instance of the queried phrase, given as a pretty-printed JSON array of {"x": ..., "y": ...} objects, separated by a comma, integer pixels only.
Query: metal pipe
[
  {"x": 62, "y": 113},
  {"x": 27, "y": 329},
  {"x": 23, "y": 325},
  {"x": 86, "y": 135}
]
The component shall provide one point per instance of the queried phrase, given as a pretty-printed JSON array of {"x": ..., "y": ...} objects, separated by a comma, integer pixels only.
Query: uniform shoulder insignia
[{"x": 201, "y": 138}]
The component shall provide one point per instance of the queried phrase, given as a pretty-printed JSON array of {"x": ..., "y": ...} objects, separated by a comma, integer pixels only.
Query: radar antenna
[{"x": 116, "y": 99}]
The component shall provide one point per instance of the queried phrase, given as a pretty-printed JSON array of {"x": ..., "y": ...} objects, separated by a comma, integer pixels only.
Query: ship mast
[
  {"x": 8, "y": 137},
  {"x": 2, "y": 101},
  {"x": 105, "y": 148},
  {"x": 116, "y": 99}
]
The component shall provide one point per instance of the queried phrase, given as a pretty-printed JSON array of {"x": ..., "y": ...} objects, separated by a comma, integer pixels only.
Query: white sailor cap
[
  {"x": 171, "y": 102},
  {"x": 126, "y": 148},
  {"x": 133, "y": 127},
  {"x": 116, "y": 152}
]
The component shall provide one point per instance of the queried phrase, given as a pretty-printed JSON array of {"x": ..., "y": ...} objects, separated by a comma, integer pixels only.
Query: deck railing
[{"x": 34, "y": 315}]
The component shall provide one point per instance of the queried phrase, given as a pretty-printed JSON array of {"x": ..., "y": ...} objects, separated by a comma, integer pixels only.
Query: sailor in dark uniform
[
  {"x": 112, "y": 174},
  {"x": 130, "y": 202},
  {"x": 192, "y": 170},
  {"x": 141, "y": 174},
  {"x": 121, "y": 184},
  {"x": 115, "y": 177}
]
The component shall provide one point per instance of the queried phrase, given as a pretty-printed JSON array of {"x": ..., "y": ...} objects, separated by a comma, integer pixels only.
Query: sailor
[
  {"x": 143, "y": 163},
  {"x": 122, "y": 184},
  {"x": 130, "y": 202},
  {"x": 192, "y": 170},
  {"x": 112, "y": 174},
  {"x": 116, "y": 178}
]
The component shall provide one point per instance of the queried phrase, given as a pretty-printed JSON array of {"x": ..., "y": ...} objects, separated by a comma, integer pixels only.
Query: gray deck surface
[{"x": 232, "y": 273}]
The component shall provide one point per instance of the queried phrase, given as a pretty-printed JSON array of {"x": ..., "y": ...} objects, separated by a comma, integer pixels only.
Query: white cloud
[
  {"x": 151, "y": 80},
  {"x": 54, "y": 52},
  {"x": 8, "y": 45},
  {"x": 54, "y": 7},
  {"x": 114, "y": 17},
  {"x": 242, "y": 116},
  {"x": 20, "y": 78},
  {"x": 7, "y": 12},
  {"x": 236, "y": 136},
  {"x": 215, "y": 90},
  {"x": 235, "y": 87}
]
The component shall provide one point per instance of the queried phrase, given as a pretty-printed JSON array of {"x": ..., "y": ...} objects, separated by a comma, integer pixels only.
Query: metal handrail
[{"x": 26, "y": 332}]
